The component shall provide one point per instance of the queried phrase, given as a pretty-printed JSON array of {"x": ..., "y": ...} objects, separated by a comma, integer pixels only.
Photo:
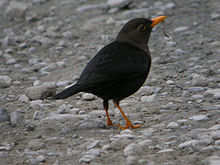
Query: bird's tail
[{"x": 67, "y": 92}]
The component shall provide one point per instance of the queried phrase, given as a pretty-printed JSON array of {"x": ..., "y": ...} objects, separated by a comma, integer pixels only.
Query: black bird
[{"x": 120, "y": 68}]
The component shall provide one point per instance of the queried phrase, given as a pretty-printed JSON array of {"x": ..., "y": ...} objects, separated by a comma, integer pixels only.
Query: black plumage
[{"x": 119, "y": 69}]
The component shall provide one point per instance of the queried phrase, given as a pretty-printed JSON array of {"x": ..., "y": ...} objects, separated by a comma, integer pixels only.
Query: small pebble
[
  {"x": 173, "y": 125},
  {"x": 16, "y": 119},
  {"x": 199, "y": 118}
]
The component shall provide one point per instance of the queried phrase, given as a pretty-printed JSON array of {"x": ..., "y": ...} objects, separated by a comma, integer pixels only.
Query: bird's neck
[{"x": 142, "y": 46}]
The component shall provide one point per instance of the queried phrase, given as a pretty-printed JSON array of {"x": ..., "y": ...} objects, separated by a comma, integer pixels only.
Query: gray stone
[
  {"x": 16, "y": 119},
  {"x": 215, "y": 44},
  {"x": 93, "y": 144},
  {"x": 70, "y": 152},
  {"x": 5, "y": 81},
  {"x": 34, "y": 61},
  {"x": 170, "y": 5},
  {"x": 145, "y": 144},
  {"x": 40, "y": 92},
  {"x": 172, "y": 125},
  {"x": 179, "y": 52},
  {"x": 181, "y": 29},
  {"x": 170, "y": 82},
  {"x": 133, "y": 149},
  {"x": 62, "y": 83},
  {"x": 87, "y": 125},
  {"x": 213, "y": 160},
  {"x": 217, "y": 142},
  {"x": 171, "y": 44},
  {"x": 190, "y": 143},
  {"x": 87, "y": 158},
  {"x": 122, "y": 137},
  {"x": 166, "y": 150},
  {"x": 69, "y": 35},
  {"x": 131, "y": 160},
  {"x": 40, "y": 158},
  {"x": 37, "y": 115},
  {"x": 199, "y": 118},
  {"x": 146, "y": 90},
  {"x": 216, "y": 134},
  {"x": 134, "y": 12},
  {"x": 49, "y": 68},
  {"x": 44, "y": 41},
  {"x": 11, "y": 61},
  {"x": 84, "y": 8},
  {"x": 62, "y": 109},
  {"x": 94, "y": 151},
  {"x": 196, "y": 89},
  {"x": 148, "y": 99},
  {"x": 215, "y": 127},
  {"x": 215, "y": 16},
  {"x": 97, "y": 113},
  {"x": 4, "y": 116},
  {"x": 23, "y": 99},
  {"x": 199, "y": 81},
  {"x": 214, "y": 92},
  {"x": 65, "y": 117},
  {"x": 197, "y": 96},
  {"x": 15, "y": 10},
  {"x": 118, "y": 3},
  {"x": 88, "y": 96}
]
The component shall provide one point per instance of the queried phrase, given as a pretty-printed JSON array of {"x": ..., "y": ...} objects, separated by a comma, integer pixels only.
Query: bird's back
[{"x": 117, "y": 71}]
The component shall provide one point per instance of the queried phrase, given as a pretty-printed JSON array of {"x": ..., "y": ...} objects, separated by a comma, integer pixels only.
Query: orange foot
[
  {"x": 109, "y": 123},
  {"x": 128, "y": 125}
]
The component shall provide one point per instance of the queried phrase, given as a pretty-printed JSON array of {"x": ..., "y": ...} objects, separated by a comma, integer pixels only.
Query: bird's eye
[{"x": 142, "y": 27}]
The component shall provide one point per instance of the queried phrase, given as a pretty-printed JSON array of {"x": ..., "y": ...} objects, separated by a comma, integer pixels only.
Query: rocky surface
[{"x": 44, "y": 45}]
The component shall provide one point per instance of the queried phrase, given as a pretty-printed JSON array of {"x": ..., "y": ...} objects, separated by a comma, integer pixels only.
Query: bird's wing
[{"x": 116, "y": 62}]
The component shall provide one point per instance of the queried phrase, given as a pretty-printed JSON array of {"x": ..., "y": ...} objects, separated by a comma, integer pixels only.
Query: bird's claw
[
  {"x": 109, "y": 123},
  {"x": 127, "y": 126}
]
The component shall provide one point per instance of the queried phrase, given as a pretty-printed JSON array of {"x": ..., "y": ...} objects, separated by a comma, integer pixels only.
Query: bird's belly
[{"x": 118, "y": 90}]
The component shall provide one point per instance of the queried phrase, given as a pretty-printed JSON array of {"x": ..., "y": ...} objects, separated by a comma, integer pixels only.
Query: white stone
[
  {"x": 181, "y": 29},
  {"x": 148, "y": 99},
  {"x": 117, "y": 3},
  {"x": 214, "y": 92},
  {"x": 216, "y": 134},
  {"x": 166, "y": 150},
  {"x": 215, "y": 127},
  {"x": 40, "y": 158},
  {"x": 170, "y": 82},
  {"x": 88, "y": 96},
  {"x": 93, "y": 144},
  {"x": 189, "y": 143},
  {"x": 199, "y": 118},
  {"x": 62, "y": 83},
  {"x": 173, "y": 125},
  {"x": 94, "y": 151}
]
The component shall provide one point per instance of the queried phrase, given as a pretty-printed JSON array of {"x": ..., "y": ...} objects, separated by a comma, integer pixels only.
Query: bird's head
[{"x": 137, "y": 31}]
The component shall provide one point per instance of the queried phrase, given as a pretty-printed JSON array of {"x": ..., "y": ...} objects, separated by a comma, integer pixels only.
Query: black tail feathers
[{"x": 67, "y": 92}]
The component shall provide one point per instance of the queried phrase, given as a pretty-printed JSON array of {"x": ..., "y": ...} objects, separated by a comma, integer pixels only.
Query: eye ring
[{"x": 141, "y": 27}]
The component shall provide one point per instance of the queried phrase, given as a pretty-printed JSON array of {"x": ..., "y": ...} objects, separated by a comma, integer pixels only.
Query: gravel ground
[{"x": 45, "y": 44}]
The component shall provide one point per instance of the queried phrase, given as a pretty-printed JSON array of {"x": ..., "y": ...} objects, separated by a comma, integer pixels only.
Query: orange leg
[
  {"x": 109, "y": 122},
  {"x": 105, "y": 105},
  {"x": 128, "y": 122}
]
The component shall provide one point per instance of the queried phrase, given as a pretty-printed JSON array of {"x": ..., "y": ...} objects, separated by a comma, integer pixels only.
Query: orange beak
[{"x": 157, "y": 20}]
